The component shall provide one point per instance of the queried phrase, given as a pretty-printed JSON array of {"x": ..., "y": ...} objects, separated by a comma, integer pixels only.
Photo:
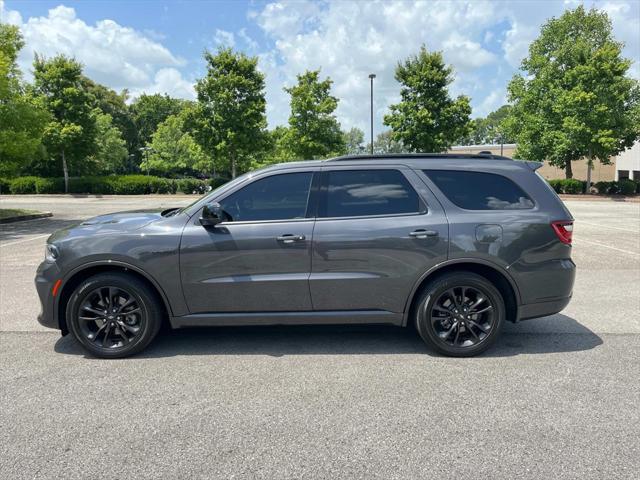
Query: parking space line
[
  {"x": 24, "y": 240},
  {"x": 607, "y": 226},
  {"x": 607, "y": 246}
]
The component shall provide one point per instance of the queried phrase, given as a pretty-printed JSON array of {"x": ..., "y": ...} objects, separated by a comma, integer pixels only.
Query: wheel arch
[
  {"x": 77, "y": 275},
  {"x": 497, "y": 276}
]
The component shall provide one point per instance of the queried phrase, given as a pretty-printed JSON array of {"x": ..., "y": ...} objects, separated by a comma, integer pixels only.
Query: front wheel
[
  {"x": 114, "y": 315},
  {"x": 460, "y": 314}
]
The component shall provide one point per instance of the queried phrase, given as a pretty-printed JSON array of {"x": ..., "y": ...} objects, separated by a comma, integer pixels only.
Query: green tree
[
  {"x": 385, "y": 143},
  {"x": 22, "y": 117},
  {"x": 314, "y": 129},
  {"x": 149, "y": 111},
  {"x": 427, "y": 119},
  {"x": 111, "y": 149},
  {"x": 71, "y": 133},
  {"x": 231, "y": 120},
  {"x": 575, "y": 99},
  {"x": 174, "y": 151},
  {"x": 278, "y": 150},
  {"x": 115, "y": 105},
  {"x": 490, "y": 129},
  {"x": 353, "y": 141}
]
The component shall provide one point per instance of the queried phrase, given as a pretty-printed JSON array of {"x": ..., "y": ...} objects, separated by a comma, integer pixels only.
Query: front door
[
  {"x": 377, "y": 231},
  {"x": 257, "y": 260}
]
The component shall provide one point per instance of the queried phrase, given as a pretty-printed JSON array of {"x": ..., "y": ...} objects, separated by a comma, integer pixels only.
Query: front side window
[
  {"x": 479, "y": 190},
  {"x": 358, "y": 193},
  {"x": 278, "y": 197}
]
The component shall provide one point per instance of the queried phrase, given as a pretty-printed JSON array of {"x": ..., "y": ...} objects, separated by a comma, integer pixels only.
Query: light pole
[{"x": 372, "y": 76}]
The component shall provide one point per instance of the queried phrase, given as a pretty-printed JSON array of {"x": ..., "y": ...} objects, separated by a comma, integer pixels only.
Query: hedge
[
  {"x": 115, "y": 184},
  {"x": 568, "y": 185},
  {"x": 624, "y": 187}
]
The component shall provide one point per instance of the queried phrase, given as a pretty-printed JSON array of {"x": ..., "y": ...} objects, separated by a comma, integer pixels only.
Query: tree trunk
[
  {"x": 233, "y": 165},
  {"x": 567, "y": 169},
  {"x": 65, "y": 172},
  {"x": 589, "y": 167}
]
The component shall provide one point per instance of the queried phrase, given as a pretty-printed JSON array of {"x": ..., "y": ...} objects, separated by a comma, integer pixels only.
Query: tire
[
  {"x": 114, "y": 315},
  {"x": 445, "y": 325}
]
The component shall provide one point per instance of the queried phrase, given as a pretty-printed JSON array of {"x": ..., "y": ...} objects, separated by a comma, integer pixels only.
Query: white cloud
[
  {"x": 168, "y": 80},
  {"x": 349, "y": 40},
  {"x": 112, "y": 54},
  {"x": 224, "y": 38},
  {"x": 491, "y": 102}
]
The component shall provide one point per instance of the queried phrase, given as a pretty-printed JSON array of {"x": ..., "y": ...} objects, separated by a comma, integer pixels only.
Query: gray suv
[{"x": 453, "y": 244}]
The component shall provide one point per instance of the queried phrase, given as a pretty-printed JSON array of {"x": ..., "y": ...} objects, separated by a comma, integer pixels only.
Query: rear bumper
[
  {"x": 46, "y": 276},
  {"x": 542, "y": 309}
]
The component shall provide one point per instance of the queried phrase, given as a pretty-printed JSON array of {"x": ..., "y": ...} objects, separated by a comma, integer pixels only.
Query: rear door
[{"x": 378, "y": 229}]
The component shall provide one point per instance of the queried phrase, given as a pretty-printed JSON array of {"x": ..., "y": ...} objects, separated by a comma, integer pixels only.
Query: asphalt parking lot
[{"x": 556, "y": 398}]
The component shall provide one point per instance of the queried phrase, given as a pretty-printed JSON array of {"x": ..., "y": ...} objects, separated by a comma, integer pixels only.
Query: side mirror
[{"x": 212, "y": 214}]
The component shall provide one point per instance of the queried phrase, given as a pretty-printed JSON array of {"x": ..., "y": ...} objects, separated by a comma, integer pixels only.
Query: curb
[
  {"x": 20, "y": 218},
  {"x": 600, "y": 198}
]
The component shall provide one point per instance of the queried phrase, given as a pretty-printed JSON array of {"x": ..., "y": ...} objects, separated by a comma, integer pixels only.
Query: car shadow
[{"x": 558, "y": 334}]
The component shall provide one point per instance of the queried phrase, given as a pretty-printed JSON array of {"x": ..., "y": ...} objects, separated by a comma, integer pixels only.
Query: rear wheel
[
  {"x": 114, "y": 315},
  {"x": 460, "y": 314}
]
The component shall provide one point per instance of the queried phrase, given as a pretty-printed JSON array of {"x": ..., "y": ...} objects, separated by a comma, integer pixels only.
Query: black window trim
[
  {"x": 311, "y": 197},
  {"x": 424, "y": 171},
  {"x": 324, "y": 186}
]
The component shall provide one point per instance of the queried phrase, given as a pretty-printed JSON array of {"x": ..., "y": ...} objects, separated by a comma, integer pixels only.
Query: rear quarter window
[{"x": 480, "y": 190}]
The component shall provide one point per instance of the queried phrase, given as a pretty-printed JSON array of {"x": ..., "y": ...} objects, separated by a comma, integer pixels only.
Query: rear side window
[
  {"x": 359, "y": 193},
  {"x": 480, "y": 191}
]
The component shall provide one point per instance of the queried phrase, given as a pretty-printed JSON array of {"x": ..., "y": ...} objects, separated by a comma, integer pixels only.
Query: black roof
[{"x": 385, "y": 156}]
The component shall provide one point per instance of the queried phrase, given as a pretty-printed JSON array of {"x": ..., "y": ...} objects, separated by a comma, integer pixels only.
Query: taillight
[{"x": 564, "y": 230}]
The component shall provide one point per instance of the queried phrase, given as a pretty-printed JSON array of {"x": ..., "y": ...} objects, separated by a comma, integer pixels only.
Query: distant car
[{"x": 453, "y": 244}]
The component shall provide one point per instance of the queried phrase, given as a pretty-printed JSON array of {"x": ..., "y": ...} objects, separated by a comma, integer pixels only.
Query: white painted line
[
  {"x": 578, "y": 222},
  {"x": 607, "y": 246},
  {"x": 23, "y": 241}
]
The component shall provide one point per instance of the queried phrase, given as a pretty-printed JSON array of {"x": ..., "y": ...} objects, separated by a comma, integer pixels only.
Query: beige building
[{"x": 621, "y": 166}]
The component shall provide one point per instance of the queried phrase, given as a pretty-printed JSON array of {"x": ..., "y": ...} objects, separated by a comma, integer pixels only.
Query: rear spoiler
[{"x": 534, "y": 165}]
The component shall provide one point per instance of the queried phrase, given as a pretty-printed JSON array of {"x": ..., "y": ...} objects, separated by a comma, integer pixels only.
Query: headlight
[{"x": 51, "y": 253}]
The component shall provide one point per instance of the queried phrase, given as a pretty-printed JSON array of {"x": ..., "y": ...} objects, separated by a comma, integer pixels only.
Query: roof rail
[{"x": 393, "y": 156}]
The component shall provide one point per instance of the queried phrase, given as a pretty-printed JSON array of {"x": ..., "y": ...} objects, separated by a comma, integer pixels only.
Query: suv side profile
[{"x": 453, "y": 244}]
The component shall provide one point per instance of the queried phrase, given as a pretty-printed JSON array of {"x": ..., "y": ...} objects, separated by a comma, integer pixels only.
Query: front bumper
[{"x": 46, "y": 276}]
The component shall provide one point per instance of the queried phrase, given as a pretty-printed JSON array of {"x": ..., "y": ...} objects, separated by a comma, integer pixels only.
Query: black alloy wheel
[
  {"x": 111, "y": 317},
  {"x": 460, "y": 314},
  {"x": 114, "y": 315}
]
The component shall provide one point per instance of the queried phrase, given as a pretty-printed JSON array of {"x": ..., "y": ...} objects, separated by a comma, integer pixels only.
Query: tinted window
[
  {"x": 278, "y": 197},
  {"x": 480, "y": 191},
  {"x": 356, "y": 193}
]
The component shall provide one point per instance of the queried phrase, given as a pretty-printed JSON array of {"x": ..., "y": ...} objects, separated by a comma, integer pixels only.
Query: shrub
[
  {"x": 23, "y": 185},
  {"x": 5, "y": 185},
  {"x": 627, "y": 187},
  {"x": 49, "y": 185},
  {"x": 93, "y": 185},
  {"x": 217, "y": 182},
  {"x": 190, "y": 185},
  {"x": 571, "y": 185},
  {"x": 568, "y": 185},
  {"x": 556, "y": 185}
]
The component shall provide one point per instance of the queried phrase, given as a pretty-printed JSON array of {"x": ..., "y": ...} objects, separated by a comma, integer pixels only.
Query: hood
[{"x": 124, "y": 222}]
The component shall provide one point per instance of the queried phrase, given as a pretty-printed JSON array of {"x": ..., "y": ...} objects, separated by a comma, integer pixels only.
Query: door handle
[
  {"x": 422, "y": 233},
  {"x": 289, "y": 238}
]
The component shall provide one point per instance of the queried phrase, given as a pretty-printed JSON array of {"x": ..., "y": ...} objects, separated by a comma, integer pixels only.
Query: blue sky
[{"x": 156, "y": 46}]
